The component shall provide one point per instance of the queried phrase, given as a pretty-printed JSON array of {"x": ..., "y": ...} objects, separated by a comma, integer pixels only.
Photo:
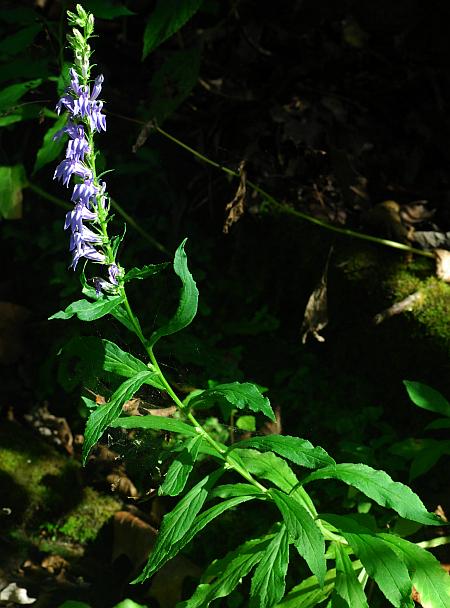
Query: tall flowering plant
[{"x": 341, "y": 551}]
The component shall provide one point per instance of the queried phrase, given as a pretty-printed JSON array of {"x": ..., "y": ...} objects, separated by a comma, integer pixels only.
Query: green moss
[
  {"x": 36, "y": 481},
  {"x": 83, "y": 523}
]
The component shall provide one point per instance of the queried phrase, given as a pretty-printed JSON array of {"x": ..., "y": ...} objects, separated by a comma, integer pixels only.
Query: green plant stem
[
  {"x": 197, "y": 426},
  {"x": 283, "y": 208}
]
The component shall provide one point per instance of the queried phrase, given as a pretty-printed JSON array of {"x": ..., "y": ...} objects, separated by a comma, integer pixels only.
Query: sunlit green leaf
[
  {"x": 297, "y": 450},
  {"x": 187, "y": 307},
  {"x": 347, "y": 586},
  {"x": 89, "y": 311},
  {"x": 225, "y": 574},
  {"x": 167, "y": 18},
  {"x": 104, "y": 415},
  {"x": 427, "y": 574},
  {"x": 268, "y": 582},
  {"x": 379, "y": 560},
  {"x": 381, "y": 488},
  {"x": 304, "y": 532},
  {"x": 427, "y": 398},
  {"x": 238, "y": 394},
  {"x": 178, "y": 523},
  {"x": 309, "y": 593},
  {"x": 267, "y": 466},
  {"x": 180, "y": 469}
]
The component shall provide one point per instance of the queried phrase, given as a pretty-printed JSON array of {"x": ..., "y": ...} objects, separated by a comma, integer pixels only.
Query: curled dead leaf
[{"x": 235, "y": 208}]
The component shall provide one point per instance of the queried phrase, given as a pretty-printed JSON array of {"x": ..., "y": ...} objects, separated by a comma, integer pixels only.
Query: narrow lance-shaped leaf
[
  {"x": 105, "y": 414},
  {"x": 187, "y": 307},
  {"x": 427, "y": 398},
  {"x": 180, "y": 469},
  {"x": 240, "y": 395},
  {"x": 297, "y": 450},
  {"x": 381, "y": 488},
  {"x": 347, "y": 586},
  {"x": 89, "y": 311},
  {"x": 305, "y": 534},
  {"x": 268, "y": 582},
  {"x": 177, "y": 523},
  {"x": 379, "y": 560},
  {"x": 428, "y": 577},
  {"x": 225, "y": 574}
]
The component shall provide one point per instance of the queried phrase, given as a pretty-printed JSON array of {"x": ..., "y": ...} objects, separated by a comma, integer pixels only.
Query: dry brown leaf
[
  {"x": 132, "y": 537},
  {"x": 442, "y": 264},
  {"x": 316, "y": 312},
  {"x": 167, "y": 584},
  {"x": 122, "y": 484},
  {"x": 235, "y": 208}
]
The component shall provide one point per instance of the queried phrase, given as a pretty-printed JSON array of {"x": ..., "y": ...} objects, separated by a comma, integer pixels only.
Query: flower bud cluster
[{"x": 85, "y": 117}]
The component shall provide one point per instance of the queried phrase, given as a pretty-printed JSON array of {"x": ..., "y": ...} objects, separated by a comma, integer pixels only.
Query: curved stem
[{"x": 283, "y": 208}]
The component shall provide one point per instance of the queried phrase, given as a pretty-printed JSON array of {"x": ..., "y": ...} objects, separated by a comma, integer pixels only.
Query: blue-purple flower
[{"x": 85, "y": 112}]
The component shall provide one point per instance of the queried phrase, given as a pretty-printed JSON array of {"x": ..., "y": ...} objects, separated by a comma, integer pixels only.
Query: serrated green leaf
[
  {"x": 227, "y": 572},
  {"x": 144, "y": 272},
  {"x": 427, "y": 398},
  {"x": 238, "y": 394},
  {"x": 180, "y": 469},
  {"x": 187, "y": 307},
  {"x": 12, "y": 182},
  {"x": 50, "y": 149},
  {"x": 167, "y": 18},
  {"x": 268, "y": 581},
  {"x": 428, "y": 577},
  {"x": 104, "y": 415},
  {"x": 177, "y": 525},
  {"x": 89, "y": 311},
  {"x": 9, "y": 96},
  {"x": 378, "y": 486},
  {"x": 347, "y": 587},
  {"x": 296, "y": 450},
  {"x": 268, "y": 466},
  {"x": 379, "y": 560},
  {"x": 304, "y": 532}
]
